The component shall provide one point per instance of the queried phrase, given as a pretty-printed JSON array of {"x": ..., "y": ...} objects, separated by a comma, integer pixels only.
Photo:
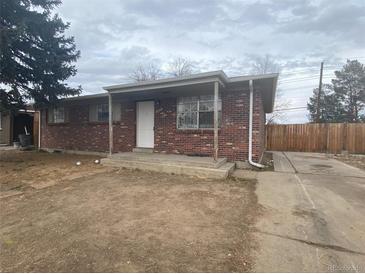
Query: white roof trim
[
  {"x": 186, "y": 80},
  {"x": 91, "y": 96},
  {"x": 252, "y": 77},
  {"x": 218, "y": 73},
  {"x": 200, "y": 78}
]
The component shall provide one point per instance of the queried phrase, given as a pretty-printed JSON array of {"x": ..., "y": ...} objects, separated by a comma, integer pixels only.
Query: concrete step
[
  {"x": 143, "y": 150},
  {"x": 185, "y": 160},
  {"x": 173, "y": 168}
]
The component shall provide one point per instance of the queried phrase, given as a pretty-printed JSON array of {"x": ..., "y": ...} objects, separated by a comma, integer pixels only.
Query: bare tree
[
  {"x": 279, "y": 114},
  {"x": 145, "y": 73},
  {"x": 267, "y": 64},
  {"x": 180, "y": 66}
]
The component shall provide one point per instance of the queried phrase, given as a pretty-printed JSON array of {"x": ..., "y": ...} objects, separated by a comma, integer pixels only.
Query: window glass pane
[
  {"x": 206, "y": 119},
  {"x": 93, "y": 113},
  {"x": 103, "y": 112},
  {"x": 187, "y": 120},
  {"x": 192, "y": 99},
  {"x": 186, "y": 107},
  {"x": 59, "y": 115},
  {"x": 189, "y": 107},
  {"x": 117, "y": 111},
  {"x": 207, "y": 98},
  {"x": 180, "y": 108},
  {"x": 50, "y": 115},
  {"x": 206, "y": 106}
]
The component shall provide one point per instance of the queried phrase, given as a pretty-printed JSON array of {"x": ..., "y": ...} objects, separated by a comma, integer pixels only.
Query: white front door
[{"x": 145, "y": 124}]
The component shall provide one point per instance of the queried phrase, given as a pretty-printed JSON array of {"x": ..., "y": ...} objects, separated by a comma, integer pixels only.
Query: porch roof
[{"x": 268, "y": 83}]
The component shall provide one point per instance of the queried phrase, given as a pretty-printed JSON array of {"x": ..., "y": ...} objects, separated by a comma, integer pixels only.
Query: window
[
  {"x": 100, "y": 112},
  {"x": 56, "y": 115},
  {"x": 103, "y": 112},
  {"x": 197, "y": 112},
  {"x": 0, "y": 121}
]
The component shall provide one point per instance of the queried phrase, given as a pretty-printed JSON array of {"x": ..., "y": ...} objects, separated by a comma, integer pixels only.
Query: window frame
[
  {"x": 52, "y": 115},
  {"x": 93, "y": 116},
  {"x": 97, "y": 112},
  {"x": 199, "y": 100}
]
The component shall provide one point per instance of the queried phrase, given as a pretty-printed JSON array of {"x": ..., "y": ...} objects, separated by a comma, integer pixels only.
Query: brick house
[{"x": 206, "y": 114}]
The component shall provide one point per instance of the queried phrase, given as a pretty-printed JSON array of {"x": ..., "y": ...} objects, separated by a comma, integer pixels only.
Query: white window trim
[
  {"x": 97, "y": 112},
  {"x": 117, "y": 113},
  {"x": 53, "y": 113},
  {"x": 198, "y": 107}
]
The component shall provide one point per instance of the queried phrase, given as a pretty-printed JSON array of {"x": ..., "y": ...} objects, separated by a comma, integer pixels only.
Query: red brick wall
[
  {"x": 258, "y": 130},
  {"x": 124, "y": 132},
  {"x": 233, "y": 134},
  {"x": 79, "y": 134}
]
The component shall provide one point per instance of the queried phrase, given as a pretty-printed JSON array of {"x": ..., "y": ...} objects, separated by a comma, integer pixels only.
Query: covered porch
[{"x": 152, "y": 96}]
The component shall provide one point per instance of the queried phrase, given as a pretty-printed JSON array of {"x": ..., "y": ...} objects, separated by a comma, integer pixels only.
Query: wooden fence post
[{"x": 344, "y": 138}]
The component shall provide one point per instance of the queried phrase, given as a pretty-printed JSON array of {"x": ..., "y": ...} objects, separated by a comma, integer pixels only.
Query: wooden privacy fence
[{"x": 330, "y": 137}]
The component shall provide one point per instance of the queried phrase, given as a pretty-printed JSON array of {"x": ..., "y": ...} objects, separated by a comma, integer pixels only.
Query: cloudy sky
[{"x": 115, "y": 36}]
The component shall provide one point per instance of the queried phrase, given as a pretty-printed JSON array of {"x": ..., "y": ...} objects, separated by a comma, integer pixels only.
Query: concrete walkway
[{"x": 313, "y": 217}]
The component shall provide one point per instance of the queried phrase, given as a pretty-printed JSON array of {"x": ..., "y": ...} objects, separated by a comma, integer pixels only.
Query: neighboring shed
[{"x": 13, "y": 123}]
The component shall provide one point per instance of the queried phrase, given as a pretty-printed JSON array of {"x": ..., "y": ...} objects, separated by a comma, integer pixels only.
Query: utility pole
[{"x": 319, "y": 93}]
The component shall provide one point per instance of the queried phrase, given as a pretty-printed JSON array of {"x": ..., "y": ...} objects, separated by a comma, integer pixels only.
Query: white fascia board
[
  {"x": 166, "y": 85},
  {"x": 84, "y": 97},
  {"x": 220, "y": 74},
  {"x": 252, "y": 77}
]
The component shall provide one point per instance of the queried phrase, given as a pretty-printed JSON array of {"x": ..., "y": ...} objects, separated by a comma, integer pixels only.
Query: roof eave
[
  {"x": 85, "y": 97},
  {"x": 170, "y": 82},
  {"x": 274, "y": 87},
  {"x": 252, "y": 77}
]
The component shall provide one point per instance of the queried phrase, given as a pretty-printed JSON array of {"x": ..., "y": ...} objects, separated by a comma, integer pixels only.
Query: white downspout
[
  {"x": 250, "y": 129},
  {"x": 39, "y": 129}
]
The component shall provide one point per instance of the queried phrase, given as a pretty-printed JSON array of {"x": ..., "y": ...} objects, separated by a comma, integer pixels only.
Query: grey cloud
[
  {"x": 340, "y": 21},
  {"x": 115, "y": 36}
]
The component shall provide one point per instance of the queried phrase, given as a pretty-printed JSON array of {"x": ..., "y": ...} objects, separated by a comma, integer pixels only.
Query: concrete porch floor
[{"x": 170, "y": 163}]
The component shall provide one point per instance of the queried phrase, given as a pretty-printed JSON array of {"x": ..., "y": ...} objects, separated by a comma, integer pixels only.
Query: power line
[
  {"x": 288, "y": 109},
  {"x": 303, "y": 79},
  {"x": 312, "y": 69},
  {"x": 329, "y": 66},
  {"x": 301, "y": 87}
]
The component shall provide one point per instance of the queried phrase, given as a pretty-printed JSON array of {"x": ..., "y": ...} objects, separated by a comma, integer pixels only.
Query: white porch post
[
  {"x": 110, "y": 124},
  {"x": 216, "y": 91}
]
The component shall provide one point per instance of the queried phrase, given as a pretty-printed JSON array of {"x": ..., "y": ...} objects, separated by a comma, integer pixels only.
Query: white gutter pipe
[
  {"x": 250, "y": 129},
  {"x": 39, "y": 129}
]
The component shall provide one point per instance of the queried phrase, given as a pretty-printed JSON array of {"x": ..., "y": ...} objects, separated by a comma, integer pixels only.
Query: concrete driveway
[{"x": 313, "y": 215}]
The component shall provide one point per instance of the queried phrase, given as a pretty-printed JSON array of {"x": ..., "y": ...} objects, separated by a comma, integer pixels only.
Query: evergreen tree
[
  {"x": 344, "y": 100},
  {"x": 349, "y": 86},
  {"x": 331, "y": 109},
  {"x": 35, "y": 55}
]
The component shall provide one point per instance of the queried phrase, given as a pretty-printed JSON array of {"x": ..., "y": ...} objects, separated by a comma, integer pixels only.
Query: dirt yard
[
  {"x": 120, "y": 220},
  {"x": 25, "y": 170},
  {"x": 353, "y": 160}
]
